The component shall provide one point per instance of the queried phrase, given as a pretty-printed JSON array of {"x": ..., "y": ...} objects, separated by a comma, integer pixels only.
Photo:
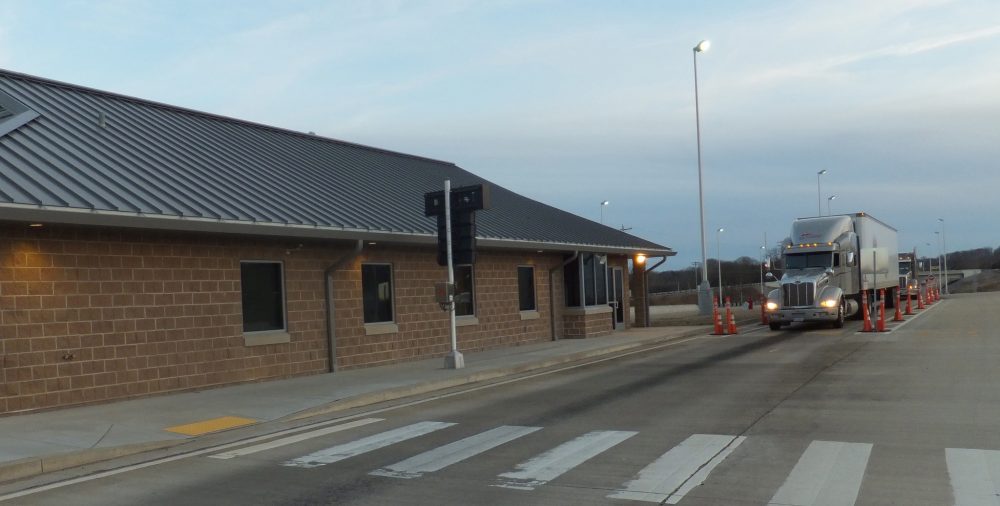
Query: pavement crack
[{"x": 106, "y": 432}]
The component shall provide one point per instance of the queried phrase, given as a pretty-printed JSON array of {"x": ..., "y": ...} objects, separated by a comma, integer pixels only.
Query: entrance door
[{"x": 619, "y": 293}]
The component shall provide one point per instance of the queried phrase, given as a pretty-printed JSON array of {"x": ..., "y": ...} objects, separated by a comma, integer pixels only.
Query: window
[
  {"x": 526, "y": 288},
  {"x": 376, "y": 292},
  {"x": 263, "y": 296},
  {"x": 465, "y": 299},
  {"x": 591, "y": 272}
]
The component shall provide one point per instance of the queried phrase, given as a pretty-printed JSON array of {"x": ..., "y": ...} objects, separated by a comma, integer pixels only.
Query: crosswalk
[{"x": 825, "y": 473}]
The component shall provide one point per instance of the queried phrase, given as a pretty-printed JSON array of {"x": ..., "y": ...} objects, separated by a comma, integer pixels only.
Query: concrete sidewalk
[{"x": 34, "y": 443}]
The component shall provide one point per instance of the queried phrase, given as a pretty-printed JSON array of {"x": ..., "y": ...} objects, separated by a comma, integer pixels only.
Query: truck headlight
[
  {"x": 829, "y": 303},
  {"x": 771, "y": 306}
]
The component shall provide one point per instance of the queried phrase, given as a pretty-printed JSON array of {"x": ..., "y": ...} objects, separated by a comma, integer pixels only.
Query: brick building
[{"x": 149, "y": 248}]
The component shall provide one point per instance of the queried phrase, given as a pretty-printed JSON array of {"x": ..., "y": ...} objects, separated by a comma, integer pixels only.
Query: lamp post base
[
  {"x": 454, "y": 360},
  {"x": 704, "y": 298}
]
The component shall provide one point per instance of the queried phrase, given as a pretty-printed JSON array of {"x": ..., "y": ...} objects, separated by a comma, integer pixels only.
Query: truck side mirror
[
  {"x": 829, "y": 271},
  {"x": 850, "y": 258},
  {"x": 769, "y": 275}
]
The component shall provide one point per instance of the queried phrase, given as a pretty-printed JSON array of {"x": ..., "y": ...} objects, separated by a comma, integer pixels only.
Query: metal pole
[
  {"x": 704, "y": 301},
  {"x": 819, "y": 196},
  {"x": 718, "y": 258},
  {"x": 944, "y": 239},
  {"x": 454, "y": 359},
  {"x": 940, "y": 255}
]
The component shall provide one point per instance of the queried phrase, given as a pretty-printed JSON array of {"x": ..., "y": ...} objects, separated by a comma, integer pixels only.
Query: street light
[
  {"x": 828, "y": 200},
  {"x": 718, "y": 258},
  {"x": 603, "y": 204},
  {"x": 940, "y": 250},
  {"x": 696, "y": 265},
  {"x": 704, "y": 299},
  {"x": 944, "y": 239},
  {"x": 819, "y": 210}
]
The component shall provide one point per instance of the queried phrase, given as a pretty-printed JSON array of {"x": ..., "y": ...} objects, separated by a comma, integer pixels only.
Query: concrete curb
[{"x": 33, "y": 466}]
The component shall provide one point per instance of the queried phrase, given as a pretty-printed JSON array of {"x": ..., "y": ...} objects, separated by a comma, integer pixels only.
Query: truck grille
[{"x": 799, "y": 294}]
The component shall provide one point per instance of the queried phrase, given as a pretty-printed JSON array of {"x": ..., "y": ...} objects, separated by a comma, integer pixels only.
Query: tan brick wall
[
  {"x": 590, "y": 325},
  {"x": 423, "y": 326},
  {"x": 89, "y": 315}
]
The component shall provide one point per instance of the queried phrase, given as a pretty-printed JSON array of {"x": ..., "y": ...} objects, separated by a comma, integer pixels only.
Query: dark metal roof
[{"x": 100, "y": 158}]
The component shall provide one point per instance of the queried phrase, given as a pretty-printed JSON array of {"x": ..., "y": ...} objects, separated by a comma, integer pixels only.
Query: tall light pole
[
  {"x": 696, "y": 276},
  {"x": 603, "y": 205},
  {"x": 704, "y": 289},
  {"x": 944, "y": 239},
  {"x": 718, "y": 258},
  {"x": 819, "y": 198},
  {"x": 941, "y": 283},
  {"x": 763, "y": 251},
  {"x": 828, "y": 200}
]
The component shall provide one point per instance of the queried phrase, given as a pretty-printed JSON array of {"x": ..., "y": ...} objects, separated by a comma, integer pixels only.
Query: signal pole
[{"x": 454, "y": 359}]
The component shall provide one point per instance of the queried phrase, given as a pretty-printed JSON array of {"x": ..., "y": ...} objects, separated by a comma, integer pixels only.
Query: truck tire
[
  {"x": 841, "y": 309},
  {"x": 774, "y": 325}
]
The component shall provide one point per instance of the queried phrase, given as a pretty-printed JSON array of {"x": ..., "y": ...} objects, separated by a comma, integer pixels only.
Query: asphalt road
[{"x": 799, "y": 416}]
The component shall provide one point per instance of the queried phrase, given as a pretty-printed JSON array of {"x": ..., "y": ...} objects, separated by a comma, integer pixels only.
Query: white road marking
[
  {"x": 365, "y": 445},
  {"x": 452, "y": 453},
  {"x": 294, "y": 439},
  {"x": 553, "y": 463},
  {"x": 678, "y": 471},
  {"x": 828, "y": 473},
  {"x": 975, "y": 476}
]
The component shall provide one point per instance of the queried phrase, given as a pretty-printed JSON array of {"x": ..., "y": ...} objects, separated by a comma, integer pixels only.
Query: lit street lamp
[
  {"x": 944, "y": 239},
  {"x": 819, "y": 209},
  {"x": 603, "y": 204},
  {"x": 704, "y": 299},
  {"x": 718, "y": 258},
  {"x": 828, "y": 200}
]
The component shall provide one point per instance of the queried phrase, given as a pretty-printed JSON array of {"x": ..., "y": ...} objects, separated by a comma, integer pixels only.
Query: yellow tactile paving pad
[{"x": 213, "y": 425}]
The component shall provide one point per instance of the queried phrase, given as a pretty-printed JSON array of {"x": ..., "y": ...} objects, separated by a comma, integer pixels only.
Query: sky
[{"x": 574, "y": 103}]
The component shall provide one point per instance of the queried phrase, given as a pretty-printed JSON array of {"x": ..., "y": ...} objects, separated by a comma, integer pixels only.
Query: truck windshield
[
  {"x": 904, "y": 268},
  {"x": 804, "y": 260}
]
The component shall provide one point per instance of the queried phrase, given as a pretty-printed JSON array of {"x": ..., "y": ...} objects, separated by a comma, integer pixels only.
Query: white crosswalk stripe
[
  {"x": 975, "y": 476},
  {"x": 676, "y": 472},
  {"x": 294, "y": 439},
  {"x": 452, "y": 453},
  {"x": 828, "y": 473},
  {"x": 553, "y": 463},
  {"x": 371, "y": 443}
]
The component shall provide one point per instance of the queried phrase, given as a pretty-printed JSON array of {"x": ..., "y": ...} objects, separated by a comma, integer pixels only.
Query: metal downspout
[
  {"x": 331, "y": 332},
  {"x": 552, "y": 293}
]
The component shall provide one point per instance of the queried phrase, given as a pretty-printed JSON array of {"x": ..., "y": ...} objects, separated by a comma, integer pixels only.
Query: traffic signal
[{"x": 465, "y": 201}]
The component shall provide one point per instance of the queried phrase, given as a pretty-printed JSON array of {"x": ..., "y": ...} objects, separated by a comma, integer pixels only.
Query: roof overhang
[{"x": 105, "y": 218}]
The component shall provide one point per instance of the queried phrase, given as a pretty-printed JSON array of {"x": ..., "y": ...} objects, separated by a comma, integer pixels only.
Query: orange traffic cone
[
  {"x": 909, "y": 308},
  {"x": 880, "y": 324},
  {"x": 716, "y": 317},
  {"x": 930, "y": 296},
  {"x": 898, "y": 317},
  {"x": 730, "y": 319},
  {"x": 920, "y": 298},
  {"x": 865, "y": 313}
]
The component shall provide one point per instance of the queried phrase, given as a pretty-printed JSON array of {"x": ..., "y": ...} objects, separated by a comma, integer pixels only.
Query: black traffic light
[{"x": 465, "y": 201}]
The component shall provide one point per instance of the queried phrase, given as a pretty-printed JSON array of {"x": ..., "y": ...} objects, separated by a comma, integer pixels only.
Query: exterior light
[
  {"x": 703, "y": 46},
  {"x": 829, "y": 303},
  {"x": 640, "y": 259},
  {"x": 36, "y": 225},
  {"x": 603, "y": 204}
]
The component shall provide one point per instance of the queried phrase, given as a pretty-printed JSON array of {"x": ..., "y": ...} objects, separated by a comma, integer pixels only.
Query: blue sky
[{"x": 576, "y": 102}]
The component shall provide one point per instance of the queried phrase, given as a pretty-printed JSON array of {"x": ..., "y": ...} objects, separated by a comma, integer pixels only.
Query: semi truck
[{"x": 830, "y": 263}]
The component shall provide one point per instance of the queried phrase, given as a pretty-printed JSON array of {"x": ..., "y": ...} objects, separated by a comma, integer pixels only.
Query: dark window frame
[
  {"x": 534, "y": 290},
  {"x": 583, "y": 287},
  {"x": 472, "y": 290},
  {"x": 284, "y": 297},
  {"x": 392, "y": 293}
]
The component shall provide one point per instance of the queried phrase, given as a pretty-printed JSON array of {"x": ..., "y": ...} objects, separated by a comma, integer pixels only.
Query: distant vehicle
[
  {"x": 830, "y": 262},
  {"x": 908, "y": 281}
]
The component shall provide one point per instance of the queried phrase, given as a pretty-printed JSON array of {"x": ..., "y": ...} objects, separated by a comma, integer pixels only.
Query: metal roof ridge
[{"x": 220, "y": 117}]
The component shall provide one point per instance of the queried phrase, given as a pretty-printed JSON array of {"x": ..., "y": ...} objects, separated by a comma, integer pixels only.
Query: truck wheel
[
  {"x": 774, "y": 325},
  {"x": 841, "y": 309}
]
